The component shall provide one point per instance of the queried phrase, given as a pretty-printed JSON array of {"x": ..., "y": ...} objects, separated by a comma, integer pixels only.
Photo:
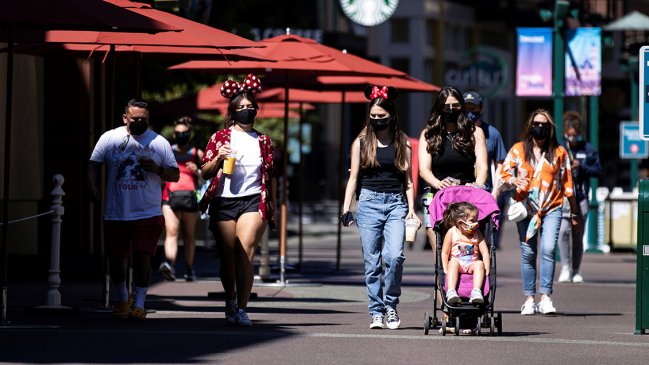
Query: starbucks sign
[{"x": 368, "y": 12}]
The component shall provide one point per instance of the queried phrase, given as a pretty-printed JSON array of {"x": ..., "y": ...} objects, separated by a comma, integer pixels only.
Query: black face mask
[
  {"x": 380, "y": 124},
  {"x": 473, "y": 116},
  {"x": 245, "y": 116},
  {"x": 540, "y": 132},
  {"x": 138, "y": 126},
  {"x": 182, "y": 138},
  {"x": 450, "y": 116}
]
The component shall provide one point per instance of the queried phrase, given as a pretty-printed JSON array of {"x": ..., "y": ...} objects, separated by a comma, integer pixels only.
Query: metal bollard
[
  {"x": 596, "y": 244},
  {"x": 54, "y": 279}
]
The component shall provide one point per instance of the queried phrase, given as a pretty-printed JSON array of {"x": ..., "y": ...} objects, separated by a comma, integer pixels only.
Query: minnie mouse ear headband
[
  {"x": 231, "y": 88},
  {"x": 384, "y": 92}
]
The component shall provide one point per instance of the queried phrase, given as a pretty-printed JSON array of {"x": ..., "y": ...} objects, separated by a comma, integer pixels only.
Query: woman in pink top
[
  {"x": 539, "y": 169},
  {"x": 179, "y": 205}
]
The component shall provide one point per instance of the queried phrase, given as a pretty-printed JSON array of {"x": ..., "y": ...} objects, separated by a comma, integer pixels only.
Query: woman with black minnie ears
[
  {"x": 240, "y": 203},
  {"x": 381, "y": 171}
]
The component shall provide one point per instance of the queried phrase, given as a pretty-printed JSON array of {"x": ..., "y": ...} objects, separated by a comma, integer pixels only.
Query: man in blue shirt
[{"x": 496, "y": 151}]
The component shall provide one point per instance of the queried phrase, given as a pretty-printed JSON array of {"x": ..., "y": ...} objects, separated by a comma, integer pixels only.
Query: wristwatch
[{"x": 574, "y": 215}]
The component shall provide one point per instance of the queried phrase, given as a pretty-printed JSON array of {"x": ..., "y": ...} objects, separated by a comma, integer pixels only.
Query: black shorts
[{"x": 230, "y": 209}]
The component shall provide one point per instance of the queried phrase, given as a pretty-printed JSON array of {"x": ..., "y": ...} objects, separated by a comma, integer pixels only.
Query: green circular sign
[{"x": 368, "y": 12}]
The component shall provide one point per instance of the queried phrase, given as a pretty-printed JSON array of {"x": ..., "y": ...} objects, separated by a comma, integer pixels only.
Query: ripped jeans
[{"x": 549, "y": 233}]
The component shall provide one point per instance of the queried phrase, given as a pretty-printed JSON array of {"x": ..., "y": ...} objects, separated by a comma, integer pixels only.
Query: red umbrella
[
  {"x": 191, "y": 33},
  {"x": 160, "y": 52},
  {"x": 402, "y": 83},
  {"x": 76, "y": 14}
]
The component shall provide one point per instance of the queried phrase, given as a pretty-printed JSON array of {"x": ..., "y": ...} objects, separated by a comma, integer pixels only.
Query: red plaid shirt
[{"x": 218, "y": 139}]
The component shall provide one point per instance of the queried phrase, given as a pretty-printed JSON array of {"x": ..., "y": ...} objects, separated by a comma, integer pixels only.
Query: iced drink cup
[
  {"x": 411, "y": 229},
  {"x": 228, "y": 165}
]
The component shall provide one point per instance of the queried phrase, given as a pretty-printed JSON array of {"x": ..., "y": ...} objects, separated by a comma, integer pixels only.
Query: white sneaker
[
  {"x": 452, "y": 298},
  {"x": 577, "y": 278},
  {"x": 564, "y": 277},
  {"x": 528, "y": 308},
  {"x": 476, "y": 297},
  {"x": 392, "y": 320},
  {"x": 545, "y": 306},
  {"x": 242, "y": 319},
  {"x": 377, "y": 322}
]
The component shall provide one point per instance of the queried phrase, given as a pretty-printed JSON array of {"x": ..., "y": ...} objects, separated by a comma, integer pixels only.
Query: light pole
[{"x": 559, "y": 61}]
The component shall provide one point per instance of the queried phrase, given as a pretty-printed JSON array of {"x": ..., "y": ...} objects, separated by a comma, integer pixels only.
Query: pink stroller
[{"x": 465, "y": 315}]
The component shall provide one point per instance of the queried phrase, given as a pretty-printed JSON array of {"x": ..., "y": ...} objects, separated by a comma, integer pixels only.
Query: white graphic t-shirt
[{"x": 131, "y": 192}]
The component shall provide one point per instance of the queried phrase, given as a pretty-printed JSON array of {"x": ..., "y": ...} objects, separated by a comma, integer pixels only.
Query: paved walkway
[{"x": 320, "y": 317}]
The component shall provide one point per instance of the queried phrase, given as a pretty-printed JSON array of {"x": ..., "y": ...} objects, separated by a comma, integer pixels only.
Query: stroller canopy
[{"x": 483, "y": 200}]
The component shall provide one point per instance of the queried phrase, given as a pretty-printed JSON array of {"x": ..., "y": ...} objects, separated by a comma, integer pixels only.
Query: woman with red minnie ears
[
  {"x": 240, "y": 203},
  {"x": 381, "y": 173}
]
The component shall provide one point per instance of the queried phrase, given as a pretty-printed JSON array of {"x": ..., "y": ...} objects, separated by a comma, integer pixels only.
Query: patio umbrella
[
  {"x": 191, "y": 33},
  {"x": 75, "y": 15},
  {"x": 47, "y": 14},
  {"x": 298, "y": 58}
]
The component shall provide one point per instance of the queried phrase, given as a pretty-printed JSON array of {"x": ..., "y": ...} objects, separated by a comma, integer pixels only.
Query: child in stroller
[
  {"x": 467, "y": 249},
  {"x": 461, "y": 312}
]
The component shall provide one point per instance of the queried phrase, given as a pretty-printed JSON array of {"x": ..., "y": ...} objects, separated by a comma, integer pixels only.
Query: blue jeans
[
  {"x": 549, "y": 233},
  {"x": 381, "y": 223}
]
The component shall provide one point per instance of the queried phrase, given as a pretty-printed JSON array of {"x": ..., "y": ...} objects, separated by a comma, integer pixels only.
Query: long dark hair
[
  {"x": 435, "y": 131},
  {"x": 549, "y": 145},
  {"x": 368, "y": 152},
  {"x": 234, "y": 103}
]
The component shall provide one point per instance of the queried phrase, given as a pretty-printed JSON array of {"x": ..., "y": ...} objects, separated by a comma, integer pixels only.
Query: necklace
[{"x": 451, "y": 136}]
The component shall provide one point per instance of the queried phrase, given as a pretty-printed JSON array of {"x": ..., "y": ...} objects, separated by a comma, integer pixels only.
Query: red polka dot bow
[
  {"x": 231, "y": 88},
  {"x": 379, "y": 92}
]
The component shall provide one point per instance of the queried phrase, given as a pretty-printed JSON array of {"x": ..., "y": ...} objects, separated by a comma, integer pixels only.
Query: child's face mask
[{"x": 469, "y": 227}]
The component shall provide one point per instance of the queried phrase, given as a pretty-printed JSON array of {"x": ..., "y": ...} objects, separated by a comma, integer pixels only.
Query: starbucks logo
[{"x": 369, "y": 12}]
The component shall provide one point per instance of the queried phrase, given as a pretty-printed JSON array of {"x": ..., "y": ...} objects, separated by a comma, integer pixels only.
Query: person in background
[
  {"x": 496, "y": 152},
  {"x": 452, "y": 150},
  {"x": 539, "y": 170},
  {"x": 179, "y": 203},
  {"x": 585, "y": 164},
  {"x": 381, "y": 176},
  {"x": 137, "y": 161},
  {"x": 241, "y": 203}
]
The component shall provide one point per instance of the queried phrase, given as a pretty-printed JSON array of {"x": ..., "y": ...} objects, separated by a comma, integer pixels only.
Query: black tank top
[
  {"x": 452, "y": 163},
  {"x": 385, "y": 178}
]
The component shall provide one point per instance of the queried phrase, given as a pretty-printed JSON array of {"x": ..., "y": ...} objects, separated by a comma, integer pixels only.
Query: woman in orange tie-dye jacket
[{"x": 538, "y": 168}]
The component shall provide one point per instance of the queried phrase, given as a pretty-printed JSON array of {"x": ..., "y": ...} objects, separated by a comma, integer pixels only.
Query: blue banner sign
[{"x": 631, "y": 145}]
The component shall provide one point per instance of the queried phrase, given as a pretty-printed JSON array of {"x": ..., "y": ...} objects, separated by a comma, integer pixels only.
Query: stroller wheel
[
  {"x": 426, "y": 323},
  {"x": 443, "y": 325},
  {"x": 499, "y": 323},
  {"x": 457, "y": 326},
  {"x": 492, "y": 328}
]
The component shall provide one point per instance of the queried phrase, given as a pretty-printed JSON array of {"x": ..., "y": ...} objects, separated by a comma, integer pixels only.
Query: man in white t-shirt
[{"x": 137, "y": 161}]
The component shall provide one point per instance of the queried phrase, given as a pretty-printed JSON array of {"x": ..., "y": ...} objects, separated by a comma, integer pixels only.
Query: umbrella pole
[
  {"x": 341, "y": 169},
  {"x": 282, "y": 241},
  {"x": 300, "y": 248},
  {"x": 5, "y": 171}
]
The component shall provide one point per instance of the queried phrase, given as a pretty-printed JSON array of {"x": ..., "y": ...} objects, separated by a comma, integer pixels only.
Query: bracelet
[{"x": 574, "y": 215}]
